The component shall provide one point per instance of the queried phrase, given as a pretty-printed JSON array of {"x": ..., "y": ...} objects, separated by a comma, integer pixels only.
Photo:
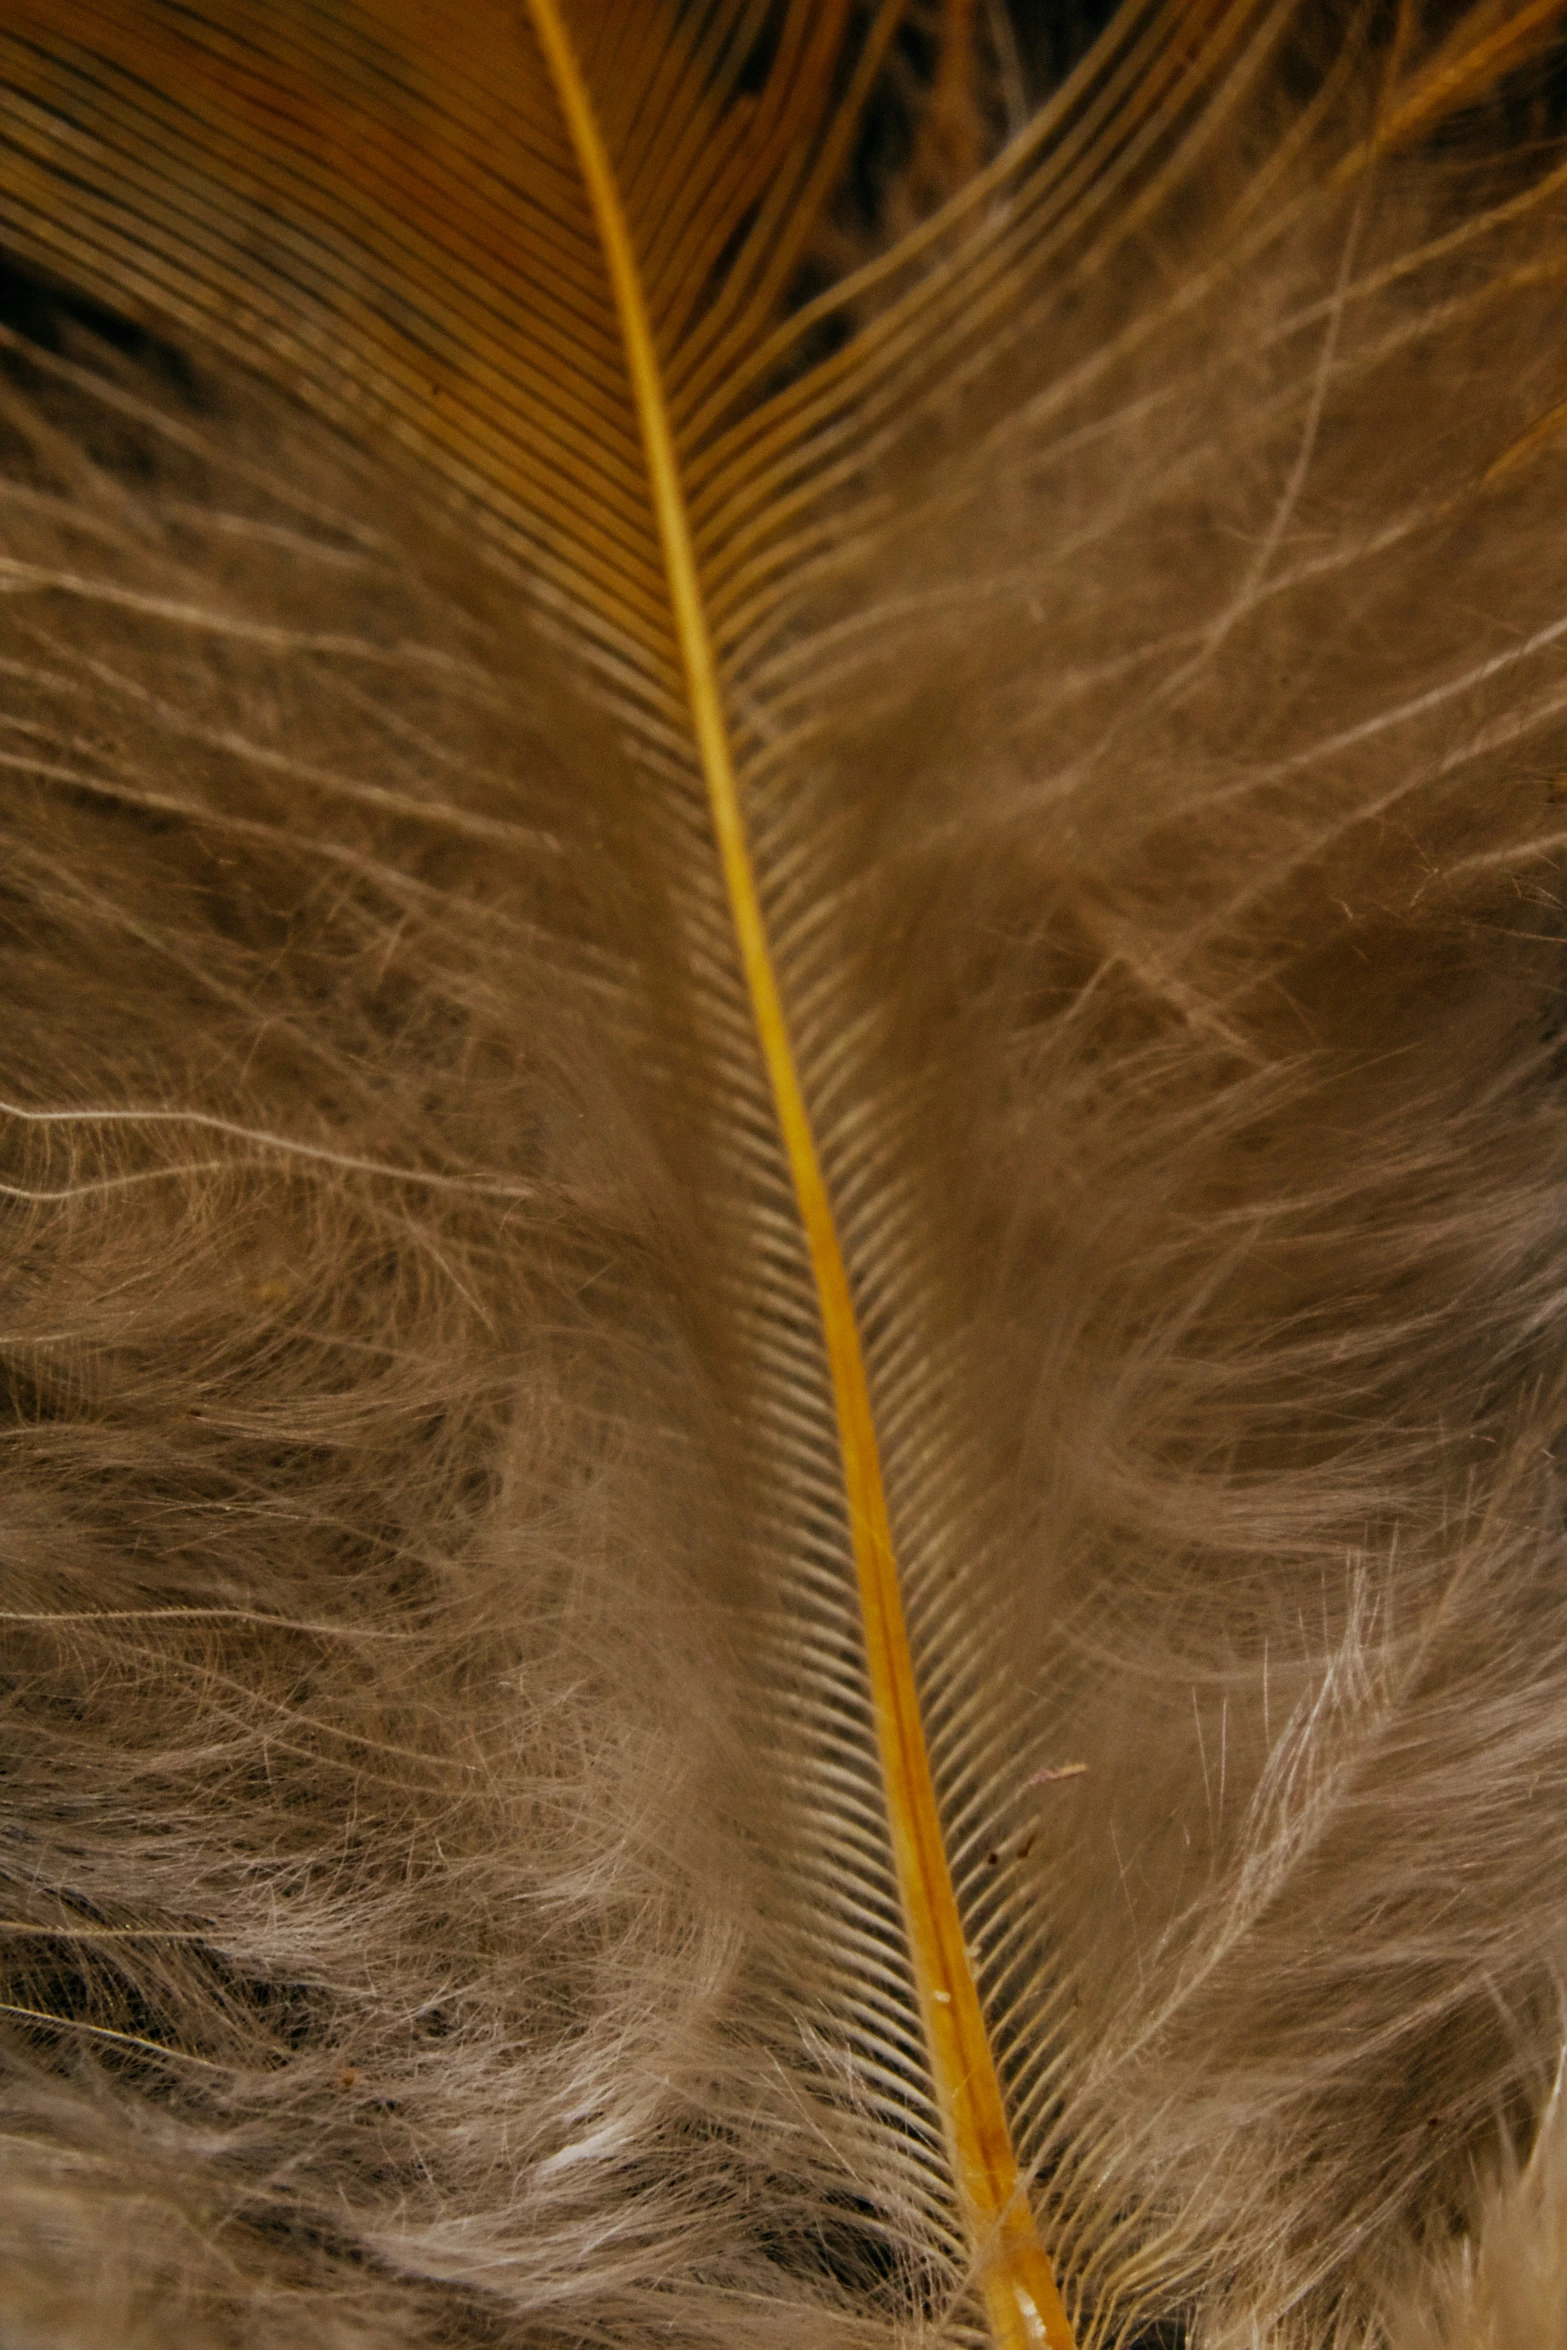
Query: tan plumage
[{"x": 449, "y": 1851}]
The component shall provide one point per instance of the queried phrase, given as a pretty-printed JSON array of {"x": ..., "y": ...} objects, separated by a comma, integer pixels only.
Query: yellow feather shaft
[{"x": 1022, "y": 2301}]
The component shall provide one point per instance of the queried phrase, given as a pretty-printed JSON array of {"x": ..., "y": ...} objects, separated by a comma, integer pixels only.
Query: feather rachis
[{"x": 1021, "y": 2297}]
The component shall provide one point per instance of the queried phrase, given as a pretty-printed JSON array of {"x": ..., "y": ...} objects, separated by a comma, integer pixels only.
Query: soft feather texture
[{"x": 436, "y": 1912}]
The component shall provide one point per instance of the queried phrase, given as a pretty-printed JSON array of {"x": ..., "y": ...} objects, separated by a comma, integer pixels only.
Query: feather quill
[{"x": 781, "y": 1104}]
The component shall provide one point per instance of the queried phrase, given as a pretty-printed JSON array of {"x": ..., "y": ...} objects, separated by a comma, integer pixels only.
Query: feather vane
[{"x": 538, "y": 1426}]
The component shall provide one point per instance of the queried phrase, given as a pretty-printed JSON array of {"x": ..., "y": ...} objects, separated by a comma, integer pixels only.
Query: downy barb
[{"x": 783, "y": 1286}]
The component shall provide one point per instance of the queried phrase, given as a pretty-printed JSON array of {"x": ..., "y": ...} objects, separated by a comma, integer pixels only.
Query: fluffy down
[{"x": 397, "y": 1925}]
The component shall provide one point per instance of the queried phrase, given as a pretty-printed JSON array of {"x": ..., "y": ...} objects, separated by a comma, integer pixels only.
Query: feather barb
[{"x": 1490, "y": 41}]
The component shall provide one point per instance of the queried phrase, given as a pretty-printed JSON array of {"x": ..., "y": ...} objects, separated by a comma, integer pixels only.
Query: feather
[{"x": 783, "y": 1135}]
